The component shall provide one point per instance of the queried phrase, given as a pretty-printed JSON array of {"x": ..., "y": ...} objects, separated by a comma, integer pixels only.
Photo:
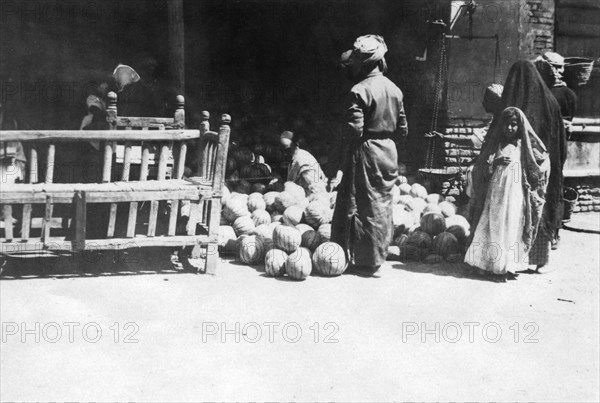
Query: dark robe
[
  {"x": 362, "y": 220},
  {"x": 525, "y": 89},
  {"x": 567, "y": 100}
]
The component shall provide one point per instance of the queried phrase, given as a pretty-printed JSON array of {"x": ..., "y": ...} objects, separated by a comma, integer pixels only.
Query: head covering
[
  {"x": 554, "y": 58},
  {"x": 133, "y": 76},
  {"x": 93, "y": 100},
  {"x": 368, "y": 51},
  {"x": 535, "y": 171},
  {"x": 492, "y": 96},
  {"x": 525, "y": 89},
  {"x": 346, "y": 58},
  {"x": 286, "y": 135}
]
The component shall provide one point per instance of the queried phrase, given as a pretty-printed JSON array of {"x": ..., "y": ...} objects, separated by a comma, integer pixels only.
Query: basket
[{"x": 577, "y": 71}]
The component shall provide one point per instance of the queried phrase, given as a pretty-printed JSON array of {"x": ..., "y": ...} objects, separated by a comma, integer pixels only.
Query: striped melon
[
  {"x": 419, "y": 191},
  {"x": 261, "y": 217},
  {"x": 295, "y": 190},
  {"x": 458, "y": 232},
  {"x": 269, "y": 199},
  {"x": 256, "y": 202},
  {"x": 243, "y": 225},
  {"x": 283, "y": 201},
  {"x": 235, "y": 209},
  {"x": 287, "y": 238},
  {"x": 264, "y": 231},
  {"x": 459, "y": 220},
  {"x": 448, "y": 209},
  {"x": 227, "y": 238},
  {"x": 225, "y": 195},
  {"x": 276, "y": 217},
  {"x": 329, "y": 259},
  {"x": 420, "y": 239},
  {"x": 299, "y": 264},
  {"x": 252, "y": 250},
  {"x": 433, "y": 223},
  {"x": 317, "y": 214},
  {"x": 293, "y": 215},
  {"x": 445, "y": 244},
  {"x": 311, "y": 239},
  {"x": 401, "y": 219},
  {"x": 275, "y": 262},
  {"x": 432, "y": 208}
]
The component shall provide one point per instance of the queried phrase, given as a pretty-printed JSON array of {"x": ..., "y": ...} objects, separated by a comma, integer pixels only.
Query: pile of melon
[
  {"x": 250, "y": 171},
  {"x": 287, "y": 231},
  {"x": 426, "y": 226}
]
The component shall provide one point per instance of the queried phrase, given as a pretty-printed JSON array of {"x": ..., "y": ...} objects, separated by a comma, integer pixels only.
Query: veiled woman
[{"x": 525, "y": 89}]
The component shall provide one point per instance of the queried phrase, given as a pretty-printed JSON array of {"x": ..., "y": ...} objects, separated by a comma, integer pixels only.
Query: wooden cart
[{"x": 145, "y": 211}]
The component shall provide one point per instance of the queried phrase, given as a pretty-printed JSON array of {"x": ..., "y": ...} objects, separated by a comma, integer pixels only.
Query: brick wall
[{"x": 536, "y": 27}]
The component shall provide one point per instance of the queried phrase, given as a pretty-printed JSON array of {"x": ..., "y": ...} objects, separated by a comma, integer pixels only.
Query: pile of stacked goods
[
  {"x": 268, "y": 221},
  {"x": 255, "y": 171},
  {"x": 286, "y": 230},
  {"x": 426, "y": 226}
]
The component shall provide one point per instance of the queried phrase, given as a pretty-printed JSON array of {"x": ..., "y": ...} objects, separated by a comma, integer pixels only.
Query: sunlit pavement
[{"x": 418, "y": 333}]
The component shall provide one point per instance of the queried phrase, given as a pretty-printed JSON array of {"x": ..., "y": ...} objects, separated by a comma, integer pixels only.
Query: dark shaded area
[{"x": 270, "y": 64}]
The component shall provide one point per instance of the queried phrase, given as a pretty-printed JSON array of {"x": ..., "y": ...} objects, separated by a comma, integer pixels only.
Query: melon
[
  {"x": 311, "y": 239},
  {"x": 243, "y": 225},
  {"x": 433, "y": 223},
  {"x": 264, "y": 231},
  {"x": 420, "y": 239},
  {"x": 283, "y": 201},
  {"x": 295, "y": 190},
  {"x": 317, "y": 213},
  {"x": 252, "y": 250},
  {"x": 459, "y": 220},
  {"x": 458, "y": 232},
  {"x": 401, "y": 179},
  {"x": 293, "y": 215},
  {"x": 275, "y": 262},
  {"x": 299, "y": 264},
  {"x": 269, "y": 199},
  {"x": 325, "y": 232},
  {"x": 276, "y": 218},
  {"x": 432, "y": 208},
  {"x": 448, "y": 209},
  {"x": 418, "y": 191},
  {"x": 303, "y": 228},
  {"x": 399, "y": 240},
  {"x": 329, "y": 259},
  {"x": 287, "y": 238},
  {"x": 418, "y": 205},
  {"x": 256, "y": 202},
  {"x": 434, "y": 198},
  {"x": 235, "y": 209},
  {"x": 275, "y": 186},
  {"x": 261, "y": 217},
  {"x": 415, "y": 227},
  {"x": 401, "y": 219},
  {"x": 405, "y": 189},
  {"x": 445, "y": 244},
  {"x": 406, "y": 201}
]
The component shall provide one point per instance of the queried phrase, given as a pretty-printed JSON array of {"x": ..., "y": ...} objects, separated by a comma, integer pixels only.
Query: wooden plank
[
  {"x": 26, "y": 221},
  {"x": 145, "y": 161},
  {"x": 126, "y": 161},
  {"x": 50, "y": 163},
  {"x": 33, "y": 166},
  {"x": 154, "y": 205},
  {"x": 80, "y": 221},
  {"x": 173, "y": 217},
  {"x": 193, "y": 218},
  {"x": 112, "y": 221},
  {"x": 8, "y": 222},
  {"x": 132, "y": 219},
  {"x": 66, "y": 197},
  {"x": 153, "y": 218},
  {"x": 47, "y": 219},
  {"x": 144, "y": 123},
  {"x": 62, "y": 244},
  {"x": 181, "y": 161},
  {"x": 107, "y": 166},
  {"x": 99, "y": 135}
]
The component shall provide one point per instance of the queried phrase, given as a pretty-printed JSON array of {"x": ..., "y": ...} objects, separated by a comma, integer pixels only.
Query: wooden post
[{"x": 176, "y": 45}]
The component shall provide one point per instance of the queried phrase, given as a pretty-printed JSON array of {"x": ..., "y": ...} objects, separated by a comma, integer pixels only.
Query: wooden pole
[{"x": 177, "y": 45}]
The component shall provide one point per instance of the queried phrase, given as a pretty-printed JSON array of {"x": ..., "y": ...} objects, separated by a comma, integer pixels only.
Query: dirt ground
[{"x": 418, "y": 333}]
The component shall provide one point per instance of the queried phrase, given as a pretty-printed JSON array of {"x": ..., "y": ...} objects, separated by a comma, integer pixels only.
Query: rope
[{"x": 442, "y": 72}]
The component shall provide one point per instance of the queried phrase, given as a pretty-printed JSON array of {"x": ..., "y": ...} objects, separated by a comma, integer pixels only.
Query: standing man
[{"x": 375, "y": 120}]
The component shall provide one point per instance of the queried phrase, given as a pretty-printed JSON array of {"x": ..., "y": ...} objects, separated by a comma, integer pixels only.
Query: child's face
[{"x": 511, "y": 129}]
